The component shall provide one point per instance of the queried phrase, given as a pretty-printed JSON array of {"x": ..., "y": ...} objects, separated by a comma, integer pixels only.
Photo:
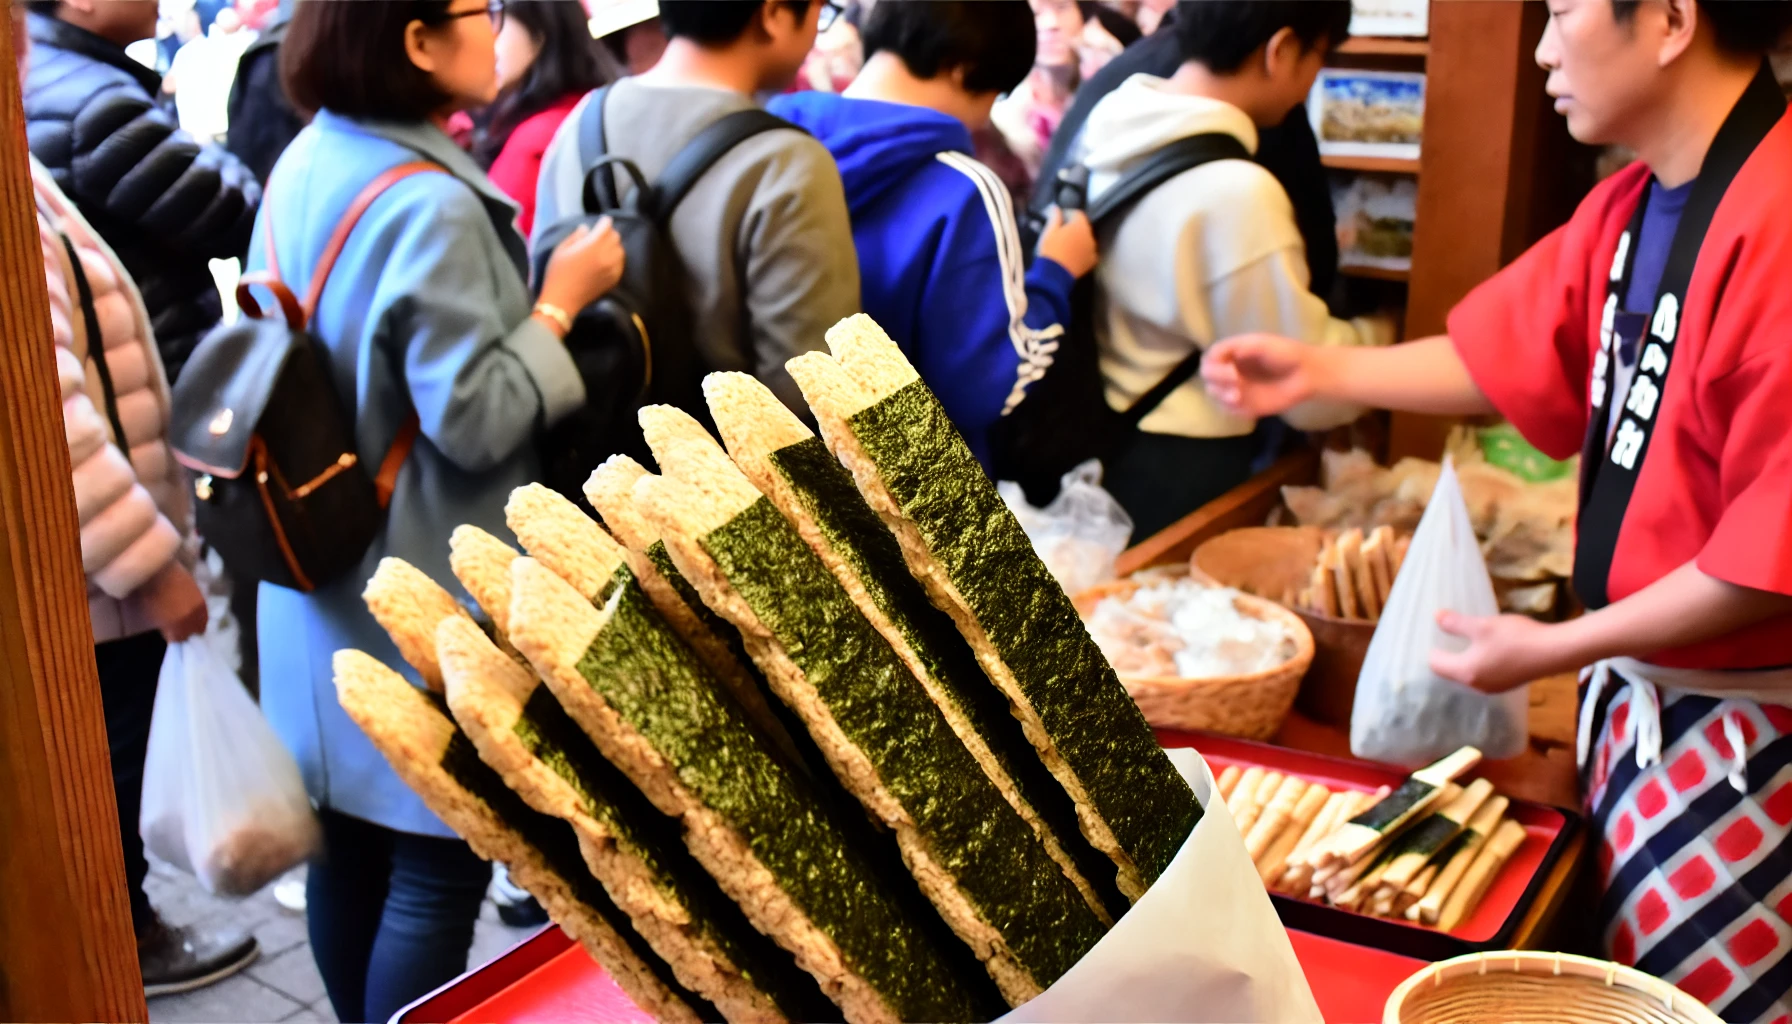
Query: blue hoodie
[{"x": 940, "y": 262}]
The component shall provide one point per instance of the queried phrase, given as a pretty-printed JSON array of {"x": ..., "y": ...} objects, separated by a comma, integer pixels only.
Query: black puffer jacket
[{"x": 166, "y": 204}]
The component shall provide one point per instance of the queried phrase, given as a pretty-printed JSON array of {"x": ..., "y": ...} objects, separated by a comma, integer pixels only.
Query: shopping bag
[
  {"x": 222, "y": 798},
  {"x": 1404, "y": 713},
  {"x": 1080, "y": 533},
  {"x": 1203, "y": 944}
]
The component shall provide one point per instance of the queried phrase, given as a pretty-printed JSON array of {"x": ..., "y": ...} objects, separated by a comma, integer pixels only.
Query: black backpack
[
  {"x": 635, "y": 345},
  {"x": 1065, "y": 419},
  {"x": 282, "y": 495}
]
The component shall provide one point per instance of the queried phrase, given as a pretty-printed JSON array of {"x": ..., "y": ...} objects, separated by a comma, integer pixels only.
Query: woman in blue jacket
[
  {"x": 426, "y": 311},
  {"x": 940, "y": 262}
]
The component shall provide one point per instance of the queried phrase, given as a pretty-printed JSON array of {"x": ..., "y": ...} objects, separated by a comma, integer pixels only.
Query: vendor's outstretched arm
[
  {"x": 1261, "y": 375},
  {"x": 1684, "y": 607}
]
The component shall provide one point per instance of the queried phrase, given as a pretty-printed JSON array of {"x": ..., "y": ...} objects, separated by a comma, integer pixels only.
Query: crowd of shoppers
[{"x": 872, "y": 197}]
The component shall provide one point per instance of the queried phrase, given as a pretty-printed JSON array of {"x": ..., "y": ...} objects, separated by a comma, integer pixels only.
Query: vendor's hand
[
  {"x": 1258, "y": 375},
  {"x": 175, "y": 603},
  {"x": 1069, "y": 241},
  {"x": 585, "y": 265},
  {"x": 1504, "y": 651}
]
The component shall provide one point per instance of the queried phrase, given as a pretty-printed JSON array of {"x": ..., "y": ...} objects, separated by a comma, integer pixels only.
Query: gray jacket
[{"x": 764, "y": 237}]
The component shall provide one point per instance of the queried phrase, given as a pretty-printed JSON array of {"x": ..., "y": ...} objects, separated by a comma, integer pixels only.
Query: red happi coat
[{"x": 1716, "y": 481}]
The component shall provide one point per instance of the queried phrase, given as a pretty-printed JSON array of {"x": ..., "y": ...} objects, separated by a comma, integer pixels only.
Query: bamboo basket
[
  {"x": 1252, "y": 706},
  {"x": 1531, "y": 987},
  {"x": 1269, "y": 562}
]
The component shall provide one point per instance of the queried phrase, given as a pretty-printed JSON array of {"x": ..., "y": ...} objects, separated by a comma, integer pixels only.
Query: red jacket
[
  {"x": 1716, "y": 483},
  {"x": 519, "y": 162}
]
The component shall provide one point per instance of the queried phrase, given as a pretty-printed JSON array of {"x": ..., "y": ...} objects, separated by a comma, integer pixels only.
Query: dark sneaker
[
  {"x": 516, "y": 907},
  {"x": 182, "y": 959}
]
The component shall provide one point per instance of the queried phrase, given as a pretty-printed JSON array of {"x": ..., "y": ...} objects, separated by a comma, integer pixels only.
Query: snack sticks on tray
[
  {"x": 1423, "y": 851},
  {"x": 970, "y": 554}
]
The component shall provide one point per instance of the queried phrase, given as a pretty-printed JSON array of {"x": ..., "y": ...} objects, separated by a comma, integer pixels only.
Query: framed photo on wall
[{"x": 1368, "y": 113}]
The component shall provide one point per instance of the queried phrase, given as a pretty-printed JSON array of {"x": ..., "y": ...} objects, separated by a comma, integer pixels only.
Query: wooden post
[
  {"x": 1497, "y": 170},
  {"x": 66, "y": 945}
]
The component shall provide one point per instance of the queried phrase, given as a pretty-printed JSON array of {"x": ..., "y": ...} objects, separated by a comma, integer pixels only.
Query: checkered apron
[{"x": 1690, "y": 794}]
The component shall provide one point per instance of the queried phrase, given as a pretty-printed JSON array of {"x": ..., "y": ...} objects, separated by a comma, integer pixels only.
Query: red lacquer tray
[
  {"x": 1494, "y": 920},
  {"x": 549, "y": 978}
]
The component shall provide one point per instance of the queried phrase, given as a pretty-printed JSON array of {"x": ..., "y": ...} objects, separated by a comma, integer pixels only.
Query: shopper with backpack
[
  {"x": 762, "y": 261},
  {"x": 443, "y": 374},
  {"x": 940, "y": 262},
  {"x": 1211, "y": 252}
]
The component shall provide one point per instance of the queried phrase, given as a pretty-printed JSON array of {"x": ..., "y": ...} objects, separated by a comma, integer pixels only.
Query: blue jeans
[{"x": 390, "y": 914}]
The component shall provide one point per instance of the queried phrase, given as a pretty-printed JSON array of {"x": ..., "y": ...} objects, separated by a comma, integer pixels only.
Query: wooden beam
[
  {"x": 1497, "y": 170},
  {"x": 66, "y": 946},
  {"x": 1248, "y": 504}
]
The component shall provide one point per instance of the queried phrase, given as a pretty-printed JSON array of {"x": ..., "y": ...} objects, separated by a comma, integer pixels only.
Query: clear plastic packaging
[
  {"x": 1078, "y": 535},
  {"x": 1404, "y": 713}
]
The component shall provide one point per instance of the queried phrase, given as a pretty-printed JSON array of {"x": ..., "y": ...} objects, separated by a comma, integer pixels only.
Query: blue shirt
[
  {"x": 1661, "y": 218},
  {"x": 940, "y": 261}
]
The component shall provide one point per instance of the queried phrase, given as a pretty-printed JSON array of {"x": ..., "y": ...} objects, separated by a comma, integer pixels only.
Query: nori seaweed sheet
[
  {"x": 658, "y": 686},
  {"x": 559, "y": 847},
  {"x": 852, "y": 528},
  {"x": 991, "y": 854},
  {"x": 812, "y": 761},
  {"x": 1389, "y": 809},
  {"x": 1034, "y": 627},
  {"x": 656, "y": 840}
]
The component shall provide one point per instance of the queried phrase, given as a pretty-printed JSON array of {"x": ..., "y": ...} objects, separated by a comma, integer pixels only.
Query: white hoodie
[{"x": 1211, "y": 253}]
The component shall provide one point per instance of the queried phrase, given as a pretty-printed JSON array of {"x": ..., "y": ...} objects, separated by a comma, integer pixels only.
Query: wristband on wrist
[{"x": 559, "y": 317}]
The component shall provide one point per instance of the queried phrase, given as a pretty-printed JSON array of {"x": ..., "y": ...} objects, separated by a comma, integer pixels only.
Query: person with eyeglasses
[
  {"x": 428, "y": 322},
  {"x": 763, "y": 236}
]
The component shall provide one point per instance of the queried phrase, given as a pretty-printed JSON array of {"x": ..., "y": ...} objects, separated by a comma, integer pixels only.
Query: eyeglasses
[
  {"x": 830, "y": 13},
  {"x": 494, "y": 9}
]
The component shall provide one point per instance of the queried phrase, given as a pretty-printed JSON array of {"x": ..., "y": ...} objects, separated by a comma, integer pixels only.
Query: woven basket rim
[
  {"x": 1246, "y": 604},
  {"x": 1195, "y": 570},
  {"x": 1539, "y": 963}
]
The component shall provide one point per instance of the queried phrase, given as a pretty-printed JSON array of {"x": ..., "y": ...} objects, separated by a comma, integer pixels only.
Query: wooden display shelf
[
  {"x": 1374, "y": 164},
  {"x": 1381, "y": 46},
  {"x": 1375, "y": 273}
]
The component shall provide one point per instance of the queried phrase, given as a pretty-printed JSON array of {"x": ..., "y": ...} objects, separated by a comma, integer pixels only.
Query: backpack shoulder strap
[
  {"x": 1162, "y": 165},
  {"x": 1166, "y": 163},
  {"x": 701, "y": 153},
  {"x": 299, "y": 314},
  {"x": 592, "y": 146}
]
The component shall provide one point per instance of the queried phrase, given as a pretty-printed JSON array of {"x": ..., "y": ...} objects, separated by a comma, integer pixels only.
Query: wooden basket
[
  {"x": 1252, "y": 706},
  {"x": 1270, "y": 561},
  {"x": 1526, "y": 986}
]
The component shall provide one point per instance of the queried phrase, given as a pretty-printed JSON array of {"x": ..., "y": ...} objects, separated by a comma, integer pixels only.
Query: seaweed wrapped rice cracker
[
  {"x": 792, "y": 467},
  {"x": 656, "y": 713},
  {"x": 410, "y": 728},
  {"x": 973, "y": 856},
  {"x": 968, "y": 551},
  {"x": 637, "y": 853}
]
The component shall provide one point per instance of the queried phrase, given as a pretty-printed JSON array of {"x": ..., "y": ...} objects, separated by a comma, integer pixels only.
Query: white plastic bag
[
  {"x": 1080, "y": 533},
  {"x": 222, "y": 798},
  {"x": 1404, "y": 713}
]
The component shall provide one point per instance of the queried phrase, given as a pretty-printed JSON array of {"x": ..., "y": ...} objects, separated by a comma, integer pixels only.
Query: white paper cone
[{"x": 1203, "y": 945}]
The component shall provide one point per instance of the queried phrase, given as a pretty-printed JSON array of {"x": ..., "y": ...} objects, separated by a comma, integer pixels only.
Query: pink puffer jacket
[{"x": 134, "y": 511}]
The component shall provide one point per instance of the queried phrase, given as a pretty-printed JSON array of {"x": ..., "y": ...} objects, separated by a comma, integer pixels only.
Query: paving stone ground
[{"x": 283, "y": 984}]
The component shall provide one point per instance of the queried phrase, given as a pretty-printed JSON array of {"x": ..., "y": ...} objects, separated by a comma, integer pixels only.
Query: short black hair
[
  {"x": 349, "y": 58},
  {"x": 716, "y": 22},
  {"x": 993, "y": 41},
  {"x": 47, "y": 8},
  {"x": 1222, "y": 34},
  {"x": 1747, "y": 28}
]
